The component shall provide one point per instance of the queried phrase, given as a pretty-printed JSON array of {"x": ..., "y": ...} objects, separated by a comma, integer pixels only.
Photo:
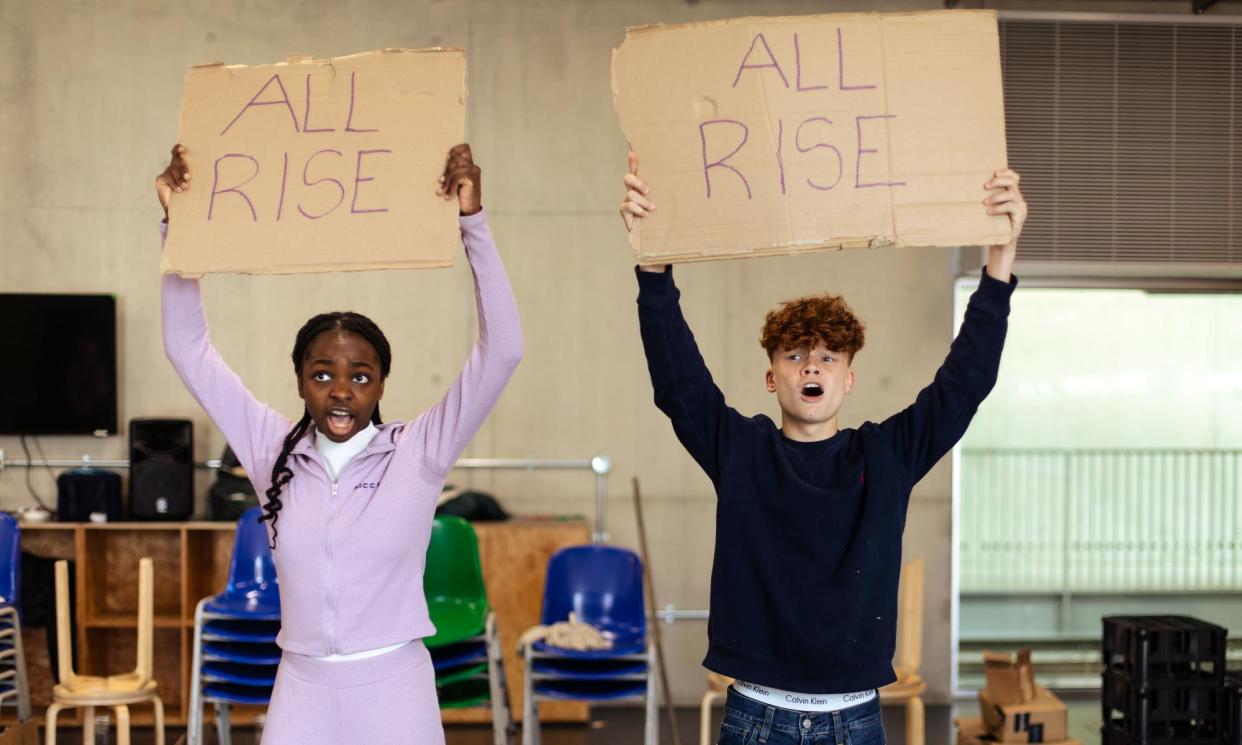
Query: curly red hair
[{"x": 807, "y": 321}]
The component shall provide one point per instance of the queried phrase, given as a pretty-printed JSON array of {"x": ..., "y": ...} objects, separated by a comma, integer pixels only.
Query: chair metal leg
[
  {"x": 224, "y": 729},
  {"x": 194, "y": 725},
  {"x": 652, "y": 734},
  {"x": 530, "y": 707},
  {"x": 914, "y": 721},
  {"x": 501, "y": 717},
  {"x": 49, "y": 726},
  {"x": 23, "y": 683},
  {"x": 122, "y": 725},
  {"x": 158, "y": 705},
  {"x": 88, "y": 725}
]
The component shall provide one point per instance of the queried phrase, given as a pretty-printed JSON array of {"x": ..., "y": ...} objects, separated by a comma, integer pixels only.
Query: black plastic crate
[
  {"x": 1157, "y": 651},
  {"x": 1232, "y": 705},
  {"x": 1191, "y": 712},
  {"x": 1113, "y": 735}
]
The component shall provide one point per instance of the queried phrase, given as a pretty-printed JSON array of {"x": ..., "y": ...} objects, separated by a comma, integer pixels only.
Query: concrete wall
[{"x": 89, "y": 97}]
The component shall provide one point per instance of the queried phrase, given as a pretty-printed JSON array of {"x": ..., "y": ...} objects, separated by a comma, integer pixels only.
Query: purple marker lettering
[
  {"x": 349, "y": 121},
  {"x": 858, "y": 120},
  {"x": 339, "y": 185},
  {"x": 255, "y": 102},
  {"x": 840, "y": 160},
  {"x": 780, "y": 143},
  {"x": 798, "y": 70},
  {"x": 773, "y": 63},
  {"x": 211, "y": 205},
  {"x": 306, "y": 114},
  {"x": 284, "y": 176},
  {"x": 841, "y": 67},
  {"x": 358, "y": 179},
  {"x": 707, "y": 167}
]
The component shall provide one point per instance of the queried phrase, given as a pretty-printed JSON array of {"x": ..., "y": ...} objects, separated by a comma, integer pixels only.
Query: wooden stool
[
  {"x": 116, "y": 691},
  {"x": 909, "y": 688}
]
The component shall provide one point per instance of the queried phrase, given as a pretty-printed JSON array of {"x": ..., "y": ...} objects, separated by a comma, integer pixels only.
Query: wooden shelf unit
[{"x": 192, "y": 562}]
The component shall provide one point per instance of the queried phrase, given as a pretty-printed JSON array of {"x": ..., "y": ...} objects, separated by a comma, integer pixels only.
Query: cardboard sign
[
  {"x": 317, "y": 165},
  {"x": 767, "y": 136}
]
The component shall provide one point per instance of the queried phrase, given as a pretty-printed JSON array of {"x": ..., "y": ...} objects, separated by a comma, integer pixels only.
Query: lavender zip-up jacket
[{"x": 350, "y": 554}]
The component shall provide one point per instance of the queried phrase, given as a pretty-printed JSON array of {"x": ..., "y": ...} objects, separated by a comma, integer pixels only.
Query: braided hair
[{"x": 354, "y": 323}]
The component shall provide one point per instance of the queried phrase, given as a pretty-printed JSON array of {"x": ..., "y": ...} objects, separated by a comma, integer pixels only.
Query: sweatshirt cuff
[
  {"x": 992, "y": 286},
  {"x": 473, "y": 221},
  {"x": 656, "y": 289}
]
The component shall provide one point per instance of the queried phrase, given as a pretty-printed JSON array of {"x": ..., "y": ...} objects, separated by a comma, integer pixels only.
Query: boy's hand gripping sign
[
  {"x": 764, "y": 136},
  {"x": 316, "y": 165}
]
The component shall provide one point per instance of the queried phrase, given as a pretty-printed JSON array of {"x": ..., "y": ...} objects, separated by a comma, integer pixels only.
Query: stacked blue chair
[
  {"x": 14, "y": 686},
  {"x": 603, "y": 587},
  {"x": 235, "y": 652},
  {"x": 465, "y": 649}
]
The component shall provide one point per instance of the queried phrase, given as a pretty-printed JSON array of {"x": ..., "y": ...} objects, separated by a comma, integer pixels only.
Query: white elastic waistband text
[{"x": 802, "y": 701}]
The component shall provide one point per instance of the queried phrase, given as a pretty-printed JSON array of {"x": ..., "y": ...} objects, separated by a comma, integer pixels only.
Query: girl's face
[{"x": 340, "y": 383}]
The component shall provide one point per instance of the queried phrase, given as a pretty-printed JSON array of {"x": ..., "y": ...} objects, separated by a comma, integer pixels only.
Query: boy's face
[{"x": 810, "y": 385}]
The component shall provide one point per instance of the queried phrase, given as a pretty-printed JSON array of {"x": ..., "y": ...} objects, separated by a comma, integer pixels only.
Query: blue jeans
[{"x": 748, "y": 722}]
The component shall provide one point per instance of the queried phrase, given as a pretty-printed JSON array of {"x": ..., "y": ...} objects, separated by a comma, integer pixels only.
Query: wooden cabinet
[{"x": 192, "y": 562}]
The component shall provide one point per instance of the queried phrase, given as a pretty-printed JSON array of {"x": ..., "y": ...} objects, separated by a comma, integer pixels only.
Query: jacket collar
[{"x": 384, "y": 442}]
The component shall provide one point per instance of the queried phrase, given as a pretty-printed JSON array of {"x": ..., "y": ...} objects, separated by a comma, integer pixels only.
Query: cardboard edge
[
  {"x": 809, "y": 17},
  {"x": 306, "y": 269},
  {"x": 300, "y": 58}
]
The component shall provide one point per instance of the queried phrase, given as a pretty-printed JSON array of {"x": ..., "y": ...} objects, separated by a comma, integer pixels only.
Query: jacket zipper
[{"x": 328, "y": 562}]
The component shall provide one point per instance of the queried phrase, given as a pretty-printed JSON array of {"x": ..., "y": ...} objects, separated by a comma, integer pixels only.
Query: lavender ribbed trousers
[{"x": 385, "y": 700}]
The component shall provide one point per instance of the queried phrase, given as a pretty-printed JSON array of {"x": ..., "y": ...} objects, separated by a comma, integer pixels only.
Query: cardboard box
[
  {"x": 987, "y": 740},
  {"x": 318, "y": 165},
  {"x": 1040, "y": 720},
  {"x": 1010, "y": 679},
  {"x": 970, "y": 731},
  {"x": 779, "y": 135}
]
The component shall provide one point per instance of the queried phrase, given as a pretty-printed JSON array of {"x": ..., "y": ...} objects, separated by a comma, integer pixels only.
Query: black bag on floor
[{"x": 474, "y": 506}]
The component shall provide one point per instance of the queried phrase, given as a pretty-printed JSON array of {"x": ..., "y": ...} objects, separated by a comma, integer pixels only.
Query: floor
[{"x": 625, "y": 726}]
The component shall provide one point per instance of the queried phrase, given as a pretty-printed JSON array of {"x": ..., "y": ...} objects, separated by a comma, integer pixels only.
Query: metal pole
[
  {"x": 601, "y": 465},
  {"x": 655, "y": 627}
]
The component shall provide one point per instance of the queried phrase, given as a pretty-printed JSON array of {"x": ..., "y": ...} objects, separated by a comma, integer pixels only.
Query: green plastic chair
[
  {"x": 453, "y": 583},
  {"x": 457, "y": 603}
]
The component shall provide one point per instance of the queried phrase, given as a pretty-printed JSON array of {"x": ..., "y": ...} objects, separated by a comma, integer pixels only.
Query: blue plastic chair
[
  {"x": 245, "y": 675},
  {"x": 602, "y": 586},
  {"x": 12, "y": 652},
  {"x": 253, "y": 592},
  {"x": 235, "y": 655},
  {"x": 10, "y": 560}
]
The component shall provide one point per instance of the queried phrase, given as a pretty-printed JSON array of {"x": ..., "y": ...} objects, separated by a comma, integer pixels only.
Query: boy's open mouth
[
  {"x": 812, "y": 391},
  {"x": 340, "y": 420}
]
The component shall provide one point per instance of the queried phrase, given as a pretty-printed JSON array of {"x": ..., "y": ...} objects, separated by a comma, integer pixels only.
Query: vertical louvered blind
[{"x": 1129, "y": 139}]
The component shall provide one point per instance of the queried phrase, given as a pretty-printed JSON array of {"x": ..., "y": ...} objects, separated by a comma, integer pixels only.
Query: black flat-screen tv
[{"x": 58, "y": 364}]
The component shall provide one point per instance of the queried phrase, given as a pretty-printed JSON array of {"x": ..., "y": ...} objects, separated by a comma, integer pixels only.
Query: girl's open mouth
[{"x": 340, "y": 421}]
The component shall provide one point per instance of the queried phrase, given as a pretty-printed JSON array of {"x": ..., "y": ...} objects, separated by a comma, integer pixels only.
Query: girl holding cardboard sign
[{"x": 357, "y": 496}]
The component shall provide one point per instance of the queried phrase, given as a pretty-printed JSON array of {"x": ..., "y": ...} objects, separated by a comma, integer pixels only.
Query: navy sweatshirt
[{"x": 804, "y": 579}]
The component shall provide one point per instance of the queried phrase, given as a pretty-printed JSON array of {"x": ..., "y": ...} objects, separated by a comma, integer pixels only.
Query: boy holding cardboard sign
[{"x": 809, "y": 516}]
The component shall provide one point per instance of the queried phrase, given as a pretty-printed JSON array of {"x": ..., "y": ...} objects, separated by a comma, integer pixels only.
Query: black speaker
[{"x": 161, "y": 469}]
